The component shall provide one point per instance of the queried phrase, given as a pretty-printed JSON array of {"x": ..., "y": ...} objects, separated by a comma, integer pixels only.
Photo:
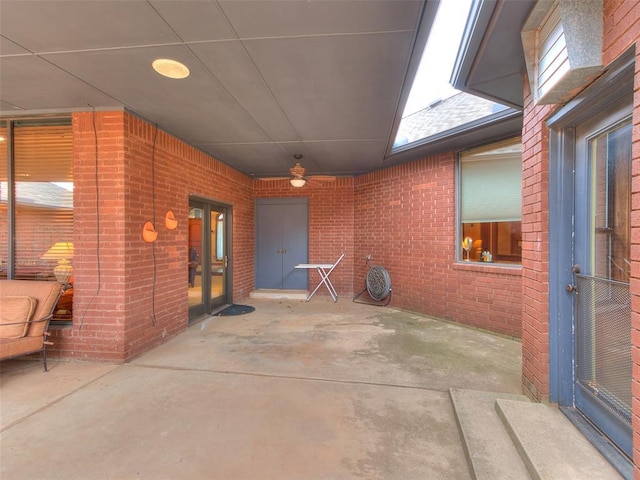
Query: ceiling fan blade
[
  {"x": 270, "y": 179},
  {"x": 322, "y": 178}
]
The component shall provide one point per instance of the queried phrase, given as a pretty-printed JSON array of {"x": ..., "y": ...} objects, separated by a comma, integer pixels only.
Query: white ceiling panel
[
  {"x": 53, "y": 26},
  {"x": 286, "y": 18},
  {"x": 338, "y": 86},
  {"x": 268, "y": 78},
  {"x": 127, "y": 74},
  {"x": 7, "y": 47},
  {"x": 357, "y": 154},
  {"x": 232, "y": 66},
  {"x": 255, "y": 159},
  {"x": 31, "y": 83},
  {"x": 7, "y": 107},
  {"x": 195, "y": 21}
]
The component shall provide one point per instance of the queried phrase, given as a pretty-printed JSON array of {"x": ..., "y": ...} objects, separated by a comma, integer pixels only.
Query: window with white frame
[{"x": 490, "y": 203}]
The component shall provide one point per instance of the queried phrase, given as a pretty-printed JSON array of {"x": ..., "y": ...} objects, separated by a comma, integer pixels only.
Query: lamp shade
[
  {"x": 59, "y": 250},
  {"x": 149, "y": 233},
  {"x": 170, "y": 221},
  {"x": 298, "y": 182}
]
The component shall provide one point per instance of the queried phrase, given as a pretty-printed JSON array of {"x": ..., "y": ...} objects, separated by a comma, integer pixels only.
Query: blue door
[
  {"x": 590, "y": 363},
  {"x": 282, "y": 240},
  {"x": 602, "y": 252}
]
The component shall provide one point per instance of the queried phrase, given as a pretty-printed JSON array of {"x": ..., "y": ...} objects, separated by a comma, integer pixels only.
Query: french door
[
  {"x": 282, "y": 238},
  {"x": 208, "y": 267},
  {"x": 602, "y": 270}
]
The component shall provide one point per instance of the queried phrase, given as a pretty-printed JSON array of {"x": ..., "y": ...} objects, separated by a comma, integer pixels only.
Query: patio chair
[{"x": 25, "y": 310}]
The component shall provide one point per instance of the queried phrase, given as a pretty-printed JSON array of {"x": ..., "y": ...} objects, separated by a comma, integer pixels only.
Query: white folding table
[{"x": 324, "y": 270}]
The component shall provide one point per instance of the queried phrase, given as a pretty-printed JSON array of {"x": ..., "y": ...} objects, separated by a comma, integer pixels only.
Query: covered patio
[{"x": 293, "y": 390}]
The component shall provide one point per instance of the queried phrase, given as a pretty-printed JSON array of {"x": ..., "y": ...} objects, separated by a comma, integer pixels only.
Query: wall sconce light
[
  {"x": 149, "y": 233},
  {"x": 298, "y": 182},
  {"x": 170, "y": 221},
  {"x": 62, "y": 252}
]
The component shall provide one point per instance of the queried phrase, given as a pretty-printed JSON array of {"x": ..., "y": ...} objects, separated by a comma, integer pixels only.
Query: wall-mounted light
[
  {"x": 170, "y": 221},
  {"x": 149, "y": 233}
]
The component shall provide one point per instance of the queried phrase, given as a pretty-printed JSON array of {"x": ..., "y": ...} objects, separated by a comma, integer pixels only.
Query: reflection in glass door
[
  {"x": 218, "y": 258},
  {"x": 603, "y": 250},
  {"x": 208, "y": 260}
]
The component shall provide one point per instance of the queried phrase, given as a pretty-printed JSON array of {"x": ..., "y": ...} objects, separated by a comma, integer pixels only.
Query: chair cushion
[
  {"x": 15, "y": 309},
  {"x": 13, "y": 347},
  {"x": 46, "y": 294}
]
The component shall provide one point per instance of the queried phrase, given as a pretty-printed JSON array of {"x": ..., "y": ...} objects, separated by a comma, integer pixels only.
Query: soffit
[{"x": 491, "y": 62}]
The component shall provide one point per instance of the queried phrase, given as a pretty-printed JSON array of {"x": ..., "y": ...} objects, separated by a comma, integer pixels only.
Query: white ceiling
[{"x": 268, "y": 78}]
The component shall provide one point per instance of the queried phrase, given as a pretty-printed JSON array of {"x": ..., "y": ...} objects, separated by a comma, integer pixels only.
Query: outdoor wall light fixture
[
  {"x": 149, "y": 233},
  {"x": 170, "y": 221}
]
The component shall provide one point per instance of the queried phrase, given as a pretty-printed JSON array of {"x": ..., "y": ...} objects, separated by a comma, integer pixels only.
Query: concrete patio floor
[{"x": 293, "y": 390}]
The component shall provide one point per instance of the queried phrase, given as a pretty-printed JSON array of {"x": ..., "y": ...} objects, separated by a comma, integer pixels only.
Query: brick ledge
[{"x": 496, "y": 268}]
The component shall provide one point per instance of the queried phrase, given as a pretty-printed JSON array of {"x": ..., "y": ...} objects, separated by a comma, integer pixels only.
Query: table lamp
[{"x": 62, "y": 252}]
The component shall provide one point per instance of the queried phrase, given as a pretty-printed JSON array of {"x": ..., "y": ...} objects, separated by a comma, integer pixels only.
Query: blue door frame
[{"x": 613, "y": 88}]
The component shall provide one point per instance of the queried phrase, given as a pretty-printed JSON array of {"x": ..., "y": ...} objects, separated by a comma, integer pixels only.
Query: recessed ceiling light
[{"x": 170, "y": 68}]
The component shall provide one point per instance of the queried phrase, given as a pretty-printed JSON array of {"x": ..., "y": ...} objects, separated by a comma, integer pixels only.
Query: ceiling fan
[{"x": 298, "y": 177}]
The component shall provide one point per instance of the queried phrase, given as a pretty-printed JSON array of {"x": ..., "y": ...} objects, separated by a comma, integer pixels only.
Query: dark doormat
[{"x": 235, "y": 310}]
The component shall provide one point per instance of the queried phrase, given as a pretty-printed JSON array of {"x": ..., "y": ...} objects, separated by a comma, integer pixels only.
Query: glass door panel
[
  {"x": 208, "y": 281},
  {"x": 603, "y": 305},
  {"x": 218, "y": 258},
  {"x": 195, "y": 243}
]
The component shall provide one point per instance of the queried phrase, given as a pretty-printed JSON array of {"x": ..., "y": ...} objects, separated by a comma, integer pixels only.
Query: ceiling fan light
[{"x": 298, "y": 182}]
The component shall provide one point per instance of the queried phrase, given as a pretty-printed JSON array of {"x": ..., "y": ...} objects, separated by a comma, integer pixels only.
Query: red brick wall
[
  {"x": 130, "y": 295},
  {"x": 535, "y": 250},
  {"x": 123, "y": 304},
  {"x": 405, "y": 217},
  {"x": 98, "y": 330},
  {"x": 621, "y": 30},
  {"x": 331, "y": 224}
]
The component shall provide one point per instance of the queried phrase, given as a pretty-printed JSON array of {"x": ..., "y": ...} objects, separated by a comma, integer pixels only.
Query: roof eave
[
  {"x": 499, "y": 126},
  {"x": 490, "y": 62}
]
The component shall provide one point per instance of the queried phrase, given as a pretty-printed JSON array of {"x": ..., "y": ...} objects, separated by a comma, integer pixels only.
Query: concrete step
[
  {"x": 279, "y": 294},
  {"x": 550, "y": 445},
  {"x": 491, "y": 454}
]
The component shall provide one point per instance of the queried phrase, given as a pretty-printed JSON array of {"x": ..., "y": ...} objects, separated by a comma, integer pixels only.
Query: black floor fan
[{"x": 377, "y": 285}]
